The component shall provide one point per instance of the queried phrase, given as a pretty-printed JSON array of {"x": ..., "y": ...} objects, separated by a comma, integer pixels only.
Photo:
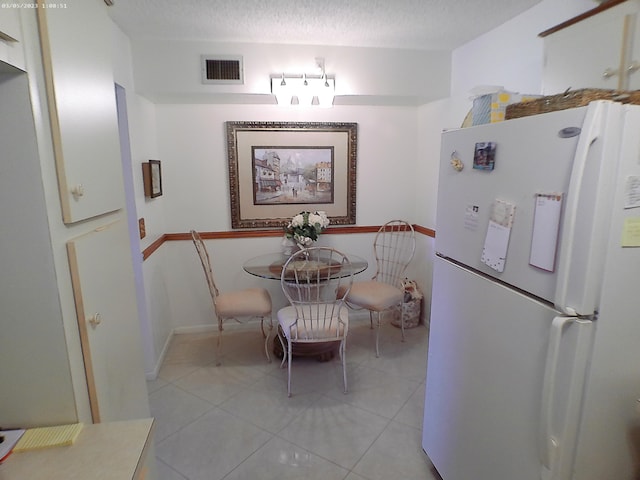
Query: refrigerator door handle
[
  {"x": 593, "y": 124},
  {"x": 548, "y": 443},
  {"x": 556, "y": 452}
]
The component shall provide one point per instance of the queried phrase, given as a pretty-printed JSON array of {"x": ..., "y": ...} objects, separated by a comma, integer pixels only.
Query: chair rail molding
[{"x": 274, "y": 232}]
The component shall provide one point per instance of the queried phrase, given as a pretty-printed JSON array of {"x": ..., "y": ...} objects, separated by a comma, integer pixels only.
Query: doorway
[{"x": 146, "y": 329}]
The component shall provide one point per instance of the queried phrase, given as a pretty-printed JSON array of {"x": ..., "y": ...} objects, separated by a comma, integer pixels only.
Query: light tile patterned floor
[{"x": 235, "y": 422}]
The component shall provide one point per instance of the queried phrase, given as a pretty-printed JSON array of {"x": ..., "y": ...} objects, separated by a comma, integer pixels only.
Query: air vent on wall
[{"x": 222, "y": 69}]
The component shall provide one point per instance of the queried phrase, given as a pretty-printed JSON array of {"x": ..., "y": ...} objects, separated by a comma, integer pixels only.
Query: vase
[
  {"x": 302, "y": 246},
  {"x": 288, "y": 246}
]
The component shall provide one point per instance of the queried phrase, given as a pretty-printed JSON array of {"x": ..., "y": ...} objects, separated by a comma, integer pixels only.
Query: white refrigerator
[{"x": 533, "y": 369}]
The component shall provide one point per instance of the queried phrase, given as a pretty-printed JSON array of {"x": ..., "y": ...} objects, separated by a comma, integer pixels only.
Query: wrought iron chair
[
  {"x": 394, "y": 246},
  {"x": 311, "y": 280},
  {"x": 250, "y": 302}
]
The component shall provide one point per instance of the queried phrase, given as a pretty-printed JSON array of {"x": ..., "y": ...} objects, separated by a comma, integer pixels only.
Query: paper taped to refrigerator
[
  {"x": 546, "y": 224},
  {"x": 471, "y": 216},
  {"x": 631, "y": 232},
  {"x": 496, "y": 243},
  {"x": 632, "y": 192},
  {"x": 502, "y": 213}
]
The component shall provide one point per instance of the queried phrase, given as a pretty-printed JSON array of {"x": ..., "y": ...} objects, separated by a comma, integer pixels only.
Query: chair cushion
[
  {"x": 376, "y": 296},
  {"x": 243, "y": 303},
  {"x": 287, "y": 318}
]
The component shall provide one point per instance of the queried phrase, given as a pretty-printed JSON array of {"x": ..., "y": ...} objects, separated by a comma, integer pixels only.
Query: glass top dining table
[{"x": 270, "y": 265}]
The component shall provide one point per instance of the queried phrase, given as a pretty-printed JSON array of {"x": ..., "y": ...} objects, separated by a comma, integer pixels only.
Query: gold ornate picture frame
[{"x": 278, "y": 169}]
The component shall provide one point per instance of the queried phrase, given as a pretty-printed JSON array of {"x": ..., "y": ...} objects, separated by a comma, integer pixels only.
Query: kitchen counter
[{"x": 109, "y": 451}]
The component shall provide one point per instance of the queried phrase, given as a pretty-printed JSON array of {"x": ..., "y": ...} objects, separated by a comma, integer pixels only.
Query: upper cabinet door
[
  {"x": 11, "y": 50},
  {"x": 81, "y": 96},
  {"x": 633, "y": 56},
  {"x": 592, "y": 53}
]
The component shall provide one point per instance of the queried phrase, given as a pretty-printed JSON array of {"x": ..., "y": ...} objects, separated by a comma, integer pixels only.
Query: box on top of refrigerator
[{"x": 491, "y": 107}]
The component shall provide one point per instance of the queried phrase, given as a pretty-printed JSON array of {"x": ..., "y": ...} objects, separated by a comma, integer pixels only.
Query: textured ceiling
[{"x": 410, "y": 24}]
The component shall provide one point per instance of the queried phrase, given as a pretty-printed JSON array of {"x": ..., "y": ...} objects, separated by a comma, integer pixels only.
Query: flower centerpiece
[{"x": 305, "y": 227}]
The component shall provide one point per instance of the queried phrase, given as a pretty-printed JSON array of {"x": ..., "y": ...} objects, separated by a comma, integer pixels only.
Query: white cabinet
[
  {"x": 10, "y": 24},
  {"x": 11, "y": 51},
  {"x": 39, "y": 361},
  {"x": 35, "y": 375},
  {"x": 81, "y": 95},
  {"x": 104, "y": 292},
  {"x": 45, "y": 289},
  {"x": 600, "y": 51}
]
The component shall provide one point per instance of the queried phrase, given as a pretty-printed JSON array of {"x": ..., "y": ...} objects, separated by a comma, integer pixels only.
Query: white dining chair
[
  {"x": 311, "y": 279},
  {"x": 394, "y": 246},
  {"x": 250, "y": 302}
]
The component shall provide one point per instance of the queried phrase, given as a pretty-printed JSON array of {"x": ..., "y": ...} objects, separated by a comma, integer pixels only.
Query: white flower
[
  {"x": 305, "y": 227},
  {"x": 324, "y": 219},
  {"x": 315, "y": 220},
  {"x": 306, "y": 241},
  {"x": 297, "y": 221}
]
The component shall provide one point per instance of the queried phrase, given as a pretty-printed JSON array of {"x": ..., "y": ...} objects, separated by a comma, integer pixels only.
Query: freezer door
[
  {"x": 589, "y": 208},
  {"x": 485, "y": 376},
  {"x": 533, "y": 155}
]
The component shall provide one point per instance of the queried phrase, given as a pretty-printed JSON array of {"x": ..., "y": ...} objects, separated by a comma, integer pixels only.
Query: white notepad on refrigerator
[
  {"x": 546, "y": 225},
  {"x": 496, "y": 243}
]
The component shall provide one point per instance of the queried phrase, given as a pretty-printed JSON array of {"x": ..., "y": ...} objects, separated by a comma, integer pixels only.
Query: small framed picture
[
  {"x": 484, "y": 156},
  {"x": 152, "y": 178}
]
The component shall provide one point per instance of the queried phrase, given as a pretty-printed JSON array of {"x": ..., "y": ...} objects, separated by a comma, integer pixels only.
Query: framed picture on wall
[
  {"x": 277, "y": 169},
  {"x": 152, "y": 178}
]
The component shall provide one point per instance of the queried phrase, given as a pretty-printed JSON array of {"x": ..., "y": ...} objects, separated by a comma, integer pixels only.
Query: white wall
[
  {"x": 142, "y": 134},
  {"x": 192, "y": 145},
  {"x": 186, "y": 287},
  {"x": 169, "y": 71},
  {"x": 512, "y": 54},
  {"x": 155, "y": 327},
  {"x": 433, "y": 119}
]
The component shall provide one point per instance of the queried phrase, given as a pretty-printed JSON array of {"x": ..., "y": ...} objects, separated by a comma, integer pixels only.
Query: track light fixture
[{"x": 303, "y": 89}]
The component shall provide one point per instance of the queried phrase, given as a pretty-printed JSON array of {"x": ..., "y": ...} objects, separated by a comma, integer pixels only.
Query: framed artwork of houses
[{"x": 277, "y": 169}]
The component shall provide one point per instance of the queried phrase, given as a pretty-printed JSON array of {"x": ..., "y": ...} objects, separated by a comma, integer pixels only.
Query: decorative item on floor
[
  {"x": 408, "y": 312},
  {"x": 305, "y": 227}
]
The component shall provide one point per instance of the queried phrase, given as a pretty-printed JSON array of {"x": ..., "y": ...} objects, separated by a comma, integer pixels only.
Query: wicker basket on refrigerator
[{"x": 569, "y": 99}]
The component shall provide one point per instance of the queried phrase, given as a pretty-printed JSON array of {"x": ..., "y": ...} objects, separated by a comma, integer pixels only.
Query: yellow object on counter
[{"x": 46, "y": 437}]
